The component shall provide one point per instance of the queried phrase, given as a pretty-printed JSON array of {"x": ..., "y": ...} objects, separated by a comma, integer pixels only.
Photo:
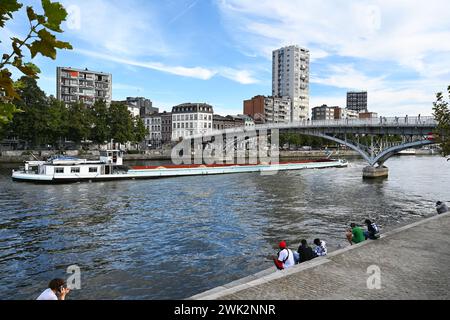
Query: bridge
[{"x": 375, "y": 139}]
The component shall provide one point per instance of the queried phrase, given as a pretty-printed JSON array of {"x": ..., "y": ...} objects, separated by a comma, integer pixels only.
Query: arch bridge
[{"x": 375, "y": 139}]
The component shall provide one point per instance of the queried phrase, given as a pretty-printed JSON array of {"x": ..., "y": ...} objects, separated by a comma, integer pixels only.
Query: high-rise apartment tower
[{"x": 290, "y": 77}]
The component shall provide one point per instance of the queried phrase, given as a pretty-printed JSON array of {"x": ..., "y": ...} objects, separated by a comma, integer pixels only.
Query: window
[
  {"x": 93, "y": 170},
  {"x": 75, "y": 170},
  {"x": 59, "y": 170}
]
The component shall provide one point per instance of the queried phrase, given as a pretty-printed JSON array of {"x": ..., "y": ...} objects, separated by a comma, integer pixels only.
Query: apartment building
[
  {"x": 191, "y": 119},
  {"x": 357, "y": 101},
  {"x": 290, "y": 77},
  {"x": 77, "y": 85},
  {"x": 268, "y": 109}
]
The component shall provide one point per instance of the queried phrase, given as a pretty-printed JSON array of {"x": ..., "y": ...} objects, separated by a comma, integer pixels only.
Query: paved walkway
[{"x": 414, "y": 262}]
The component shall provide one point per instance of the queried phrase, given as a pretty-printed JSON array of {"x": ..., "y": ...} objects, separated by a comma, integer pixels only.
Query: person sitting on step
[
  {"x": 321, "y": 248},
  {"x": 373, "y": 231},
  {"x": 305, "y": 252}
]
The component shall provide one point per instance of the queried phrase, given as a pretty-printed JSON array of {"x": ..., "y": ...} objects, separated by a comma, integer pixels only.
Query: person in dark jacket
[
  {"x": 306, "y": 252},
  {"x": 372, "y": 230},
  {"x": 441, "y": 207}
]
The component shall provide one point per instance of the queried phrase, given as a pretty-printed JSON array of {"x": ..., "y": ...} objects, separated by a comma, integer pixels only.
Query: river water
[{"x": 173, "y": 238}]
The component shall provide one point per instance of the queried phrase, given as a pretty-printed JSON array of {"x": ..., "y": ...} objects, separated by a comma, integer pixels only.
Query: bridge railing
[
  {"x": 381, "y": 121},
  {"x": 424, "y": 122}
]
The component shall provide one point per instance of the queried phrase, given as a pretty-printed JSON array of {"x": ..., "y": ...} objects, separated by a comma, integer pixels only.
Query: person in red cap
[{"x": 285, "y": 258}]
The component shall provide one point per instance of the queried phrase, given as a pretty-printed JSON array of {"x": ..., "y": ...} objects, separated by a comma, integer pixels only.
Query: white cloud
[
  {"x": 402, "y": 31},
  {"x": 237, "y": 75},
  {"x": 194, "y": 72},
  {"x": 118, "y": 27},
  {"x": 411, "y": 36},
  {"x": 240, "y": 76},
  {"x": 345, "y": 76}
]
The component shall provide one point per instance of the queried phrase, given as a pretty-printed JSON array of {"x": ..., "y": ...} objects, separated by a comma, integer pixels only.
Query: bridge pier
[{"x": 372, "y": 172}]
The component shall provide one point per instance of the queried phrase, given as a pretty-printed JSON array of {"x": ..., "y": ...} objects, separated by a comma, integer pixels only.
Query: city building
[
  {"x": 268, "y": 109},
  {"x": 324, "y": 112},
  {"x": 368, "y": 115},
  {"x": 159, "y": 126},
  {"x": 166, "y": 127},
  {"x": 77, "y": 85},
  {"x": 228, "y": 122},
  {"x": 357, "y": 101},
  {"x": 191, "y": 119},
  {"x": 248, "y": 121},
  {"x": 290, "y": 77},
  {"x": 145, "y": 106},
  {"x": 153, "y": 123},
  {"x": 343, "y": 113}
]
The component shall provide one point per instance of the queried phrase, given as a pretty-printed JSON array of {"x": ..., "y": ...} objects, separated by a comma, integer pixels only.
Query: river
[{"x": 173, "y": 238}]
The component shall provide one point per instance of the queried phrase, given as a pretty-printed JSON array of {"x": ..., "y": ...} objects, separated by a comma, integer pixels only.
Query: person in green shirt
[{"x": 355, "y": 234}]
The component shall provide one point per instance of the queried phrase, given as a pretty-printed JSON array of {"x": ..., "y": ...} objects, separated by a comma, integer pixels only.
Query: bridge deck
[{"x": 414, "y": 263}]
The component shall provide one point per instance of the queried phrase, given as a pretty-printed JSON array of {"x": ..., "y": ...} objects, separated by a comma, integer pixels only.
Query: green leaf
[
  {"x": 29, "y": 69},
  {"x": 7, "y": 111},
  {"x": 7, "y": 7},
  {"x": 31, "y": 15},
  {"x": 47, "y": 45},
  {"x": 16, "y": 46},
  {"x": 55, "y": 14}
]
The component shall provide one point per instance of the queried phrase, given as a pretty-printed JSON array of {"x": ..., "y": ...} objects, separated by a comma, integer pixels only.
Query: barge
[{"x": 110, "y": 167}]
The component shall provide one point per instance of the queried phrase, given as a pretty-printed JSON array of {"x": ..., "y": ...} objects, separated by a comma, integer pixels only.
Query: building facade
[
  {"x": 144, "y": 105},
  {"x": 357, "y": 101},
  {"x": 324, "y": 112},
  {"x": 153, "y": 123},
  {"x": 77, "y": 85},
  {"x": 166, "y": 127},
  {"x": 343, "y": 113},
  {"x": 290, "y": 77},
  {"x": 268, "y": 109},
  {"x": 368, "y": 115},
  {"x": 228, "y": 122},
  {"x": 191, "y": 119}
]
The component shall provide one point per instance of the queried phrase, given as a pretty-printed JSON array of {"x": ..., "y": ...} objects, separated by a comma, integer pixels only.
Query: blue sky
[{"x": 219, "y": 51}]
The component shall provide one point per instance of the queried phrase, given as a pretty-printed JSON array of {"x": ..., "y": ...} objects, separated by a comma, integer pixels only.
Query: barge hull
[{"x": 141, "y": 173}]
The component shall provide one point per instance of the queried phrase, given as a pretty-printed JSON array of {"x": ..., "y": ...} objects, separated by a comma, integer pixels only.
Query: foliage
[
  {"x": 39, "y": 40},
  {"x": 297, "y": 140},
  {"x": 47, "y": 121},
  {"x": 442, "y": 115}
]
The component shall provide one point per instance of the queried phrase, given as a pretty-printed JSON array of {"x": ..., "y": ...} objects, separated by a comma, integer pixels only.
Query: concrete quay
[{"x": 413, "y": 261}]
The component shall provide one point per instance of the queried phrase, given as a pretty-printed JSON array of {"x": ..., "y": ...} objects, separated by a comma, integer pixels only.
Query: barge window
[
  {"x": 93, "y": 170},
  {"x": 59, "y": 170},
  {"x": 75, "y": 170}
]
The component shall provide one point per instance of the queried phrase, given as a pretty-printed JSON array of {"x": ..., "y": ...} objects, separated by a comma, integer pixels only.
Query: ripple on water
[{"x": 170, "y": 239}]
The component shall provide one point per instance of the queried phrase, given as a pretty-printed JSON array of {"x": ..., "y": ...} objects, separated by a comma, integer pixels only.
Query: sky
[{"x": 219, "y": 51}]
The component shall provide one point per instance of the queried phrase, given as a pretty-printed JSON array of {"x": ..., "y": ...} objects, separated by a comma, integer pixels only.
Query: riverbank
[
  {"x": 165, "y": 155},
  {"x": 413, "y": 262}
]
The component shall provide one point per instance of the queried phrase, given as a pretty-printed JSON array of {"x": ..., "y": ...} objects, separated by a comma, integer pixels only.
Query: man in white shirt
[
  {"x": 285, "y": 256},
  {"x": 57, "y": 290}
]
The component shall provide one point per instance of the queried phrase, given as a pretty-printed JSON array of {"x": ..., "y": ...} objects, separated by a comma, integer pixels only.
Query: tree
[
  {"x": 57, "y": 122},
  {"x": 79, "y": 123},
  {"x": 30, "y": 125},
  {"x": 101, "y": 131},
  {"x": 140, "y": 131},
  {"x": 39, "y": 40},
  {"x": 442, "y": 116},
  {"x": 121, "y": 123}
]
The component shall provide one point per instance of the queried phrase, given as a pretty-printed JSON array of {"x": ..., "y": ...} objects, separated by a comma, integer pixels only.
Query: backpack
[{"x": 375, "y": 227}]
